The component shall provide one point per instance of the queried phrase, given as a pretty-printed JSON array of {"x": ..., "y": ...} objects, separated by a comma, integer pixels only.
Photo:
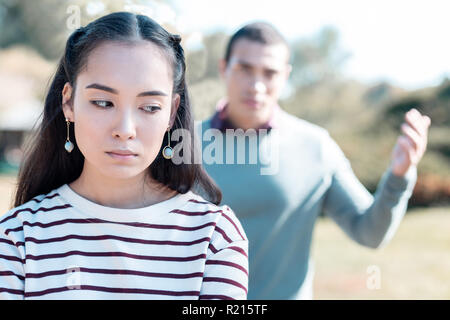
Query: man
[{"x": 278, "y": 210}]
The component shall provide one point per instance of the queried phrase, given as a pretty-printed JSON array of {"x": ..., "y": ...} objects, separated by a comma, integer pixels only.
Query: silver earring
[
  {"x": 68, "y": 145},
  {"x": 168, "y": 151}
]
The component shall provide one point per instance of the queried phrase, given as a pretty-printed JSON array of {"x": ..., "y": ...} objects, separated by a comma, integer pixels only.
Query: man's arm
[{"x": 373, "y": 220}]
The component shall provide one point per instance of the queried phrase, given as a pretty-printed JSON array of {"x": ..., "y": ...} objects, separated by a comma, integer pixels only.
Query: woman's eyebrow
[
  {"x": 152, "y": 93},
  {"x": 102, "y": 87},
  {"x": 111, "y": 90}
]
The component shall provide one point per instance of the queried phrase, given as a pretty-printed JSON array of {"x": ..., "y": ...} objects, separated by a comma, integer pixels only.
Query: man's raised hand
[{"x": 412, "y": 143}]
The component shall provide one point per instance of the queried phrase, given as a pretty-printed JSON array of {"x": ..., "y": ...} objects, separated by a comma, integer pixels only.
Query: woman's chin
[{"x": 122, "y": 172}]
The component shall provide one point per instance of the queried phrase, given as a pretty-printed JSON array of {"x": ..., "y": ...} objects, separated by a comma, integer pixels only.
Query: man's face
[{"x": 254, "y": 76}]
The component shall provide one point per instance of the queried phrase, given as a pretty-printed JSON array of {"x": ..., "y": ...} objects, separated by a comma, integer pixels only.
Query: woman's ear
[
  {"x": 67, "y": 102},
  {"x": 173, "y": 112}
]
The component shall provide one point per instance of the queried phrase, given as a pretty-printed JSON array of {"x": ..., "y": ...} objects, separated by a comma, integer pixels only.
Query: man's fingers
[
  {"x": 427, "y": 120},
  {"x": 418, "y": 122},
  {"x": 406, "y": 144},
  {"x": 412, "y": 135},
  {"x": 413, "y": 140}
]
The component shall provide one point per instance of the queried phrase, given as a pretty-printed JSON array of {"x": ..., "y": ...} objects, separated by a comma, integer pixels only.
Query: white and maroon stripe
[
  {"x": 29, "y": 210},
  {"x": 114, "y": 290},
  {"x": 198, "y": 225}
]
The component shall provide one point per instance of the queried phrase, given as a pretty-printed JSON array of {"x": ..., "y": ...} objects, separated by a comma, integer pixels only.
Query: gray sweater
[{"x": 307, "y": 174}]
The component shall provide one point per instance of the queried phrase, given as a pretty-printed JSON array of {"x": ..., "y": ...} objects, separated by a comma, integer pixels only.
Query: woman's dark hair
[
  {"x": 47, "y": 165},
  {"x": 261, "y": 32}
]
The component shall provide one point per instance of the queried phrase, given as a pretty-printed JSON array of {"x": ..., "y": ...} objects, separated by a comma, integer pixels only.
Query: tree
[
  {"x": 203, "y": 62},
  {"x": 317, "y": 59},
  {"x": 46, "y": 24}
]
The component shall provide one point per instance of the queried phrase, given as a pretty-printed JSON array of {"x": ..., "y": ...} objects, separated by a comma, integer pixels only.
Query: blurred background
[{"x": 358, "y": 66}]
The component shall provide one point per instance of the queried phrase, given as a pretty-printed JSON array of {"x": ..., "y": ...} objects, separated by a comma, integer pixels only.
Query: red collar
[{"x": 220, "y": 121}]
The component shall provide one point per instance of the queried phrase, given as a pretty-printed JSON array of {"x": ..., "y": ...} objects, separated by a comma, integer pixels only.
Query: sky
[{"x": 403, "y": 42}]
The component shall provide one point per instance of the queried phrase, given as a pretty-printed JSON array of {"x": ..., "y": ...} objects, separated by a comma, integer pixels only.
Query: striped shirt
[{"x": 63, "y": 246}]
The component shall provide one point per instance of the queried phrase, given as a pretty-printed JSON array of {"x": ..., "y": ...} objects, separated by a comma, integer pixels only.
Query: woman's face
[{"x": 122, "y": 107}]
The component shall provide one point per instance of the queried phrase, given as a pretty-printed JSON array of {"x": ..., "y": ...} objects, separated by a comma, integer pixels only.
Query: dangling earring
[
  {"x": 68, "y": 145},
  {"x": 168, "y": 151}
]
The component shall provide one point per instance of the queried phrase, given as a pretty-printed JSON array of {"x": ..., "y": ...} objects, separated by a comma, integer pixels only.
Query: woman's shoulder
[
  {"x": 221, "y": 215},
  {"x": 197, "y": 205},
  {"x": 28, "y": 211}
]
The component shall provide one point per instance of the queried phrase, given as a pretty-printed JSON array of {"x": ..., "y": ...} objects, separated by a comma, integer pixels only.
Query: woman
[{"x": 101, "y": 211}]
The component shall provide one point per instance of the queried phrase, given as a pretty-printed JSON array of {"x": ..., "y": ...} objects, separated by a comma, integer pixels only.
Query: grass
[{"x": 414, "y": 265}]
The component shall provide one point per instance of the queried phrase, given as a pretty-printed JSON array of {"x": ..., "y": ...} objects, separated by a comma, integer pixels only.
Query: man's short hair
[{"x": 261, "y": 32}]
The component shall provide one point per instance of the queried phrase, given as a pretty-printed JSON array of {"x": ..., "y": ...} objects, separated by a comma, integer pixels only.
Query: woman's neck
[{"x": 131, "y": 193}]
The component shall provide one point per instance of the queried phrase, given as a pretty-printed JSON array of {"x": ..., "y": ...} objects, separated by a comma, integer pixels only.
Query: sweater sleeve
[
  {"x": 370, "y": 220},
  {"x": 226, "y": 269},
  {"x": 12, "y": 274}
]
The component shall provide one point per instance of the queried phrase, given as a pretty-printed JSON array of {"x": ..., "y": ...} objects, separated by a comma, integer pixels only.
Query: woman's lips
[{"x": 120, "y": 155}]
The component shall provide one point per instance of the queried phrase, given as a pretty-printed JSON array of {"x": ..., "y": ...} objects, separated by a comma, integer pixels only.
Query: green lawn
[{"x": 414, "y": 265}]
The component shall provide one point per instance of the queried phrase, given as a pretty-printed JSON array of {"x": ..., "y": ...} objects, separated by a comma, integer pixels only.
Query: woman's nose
[{"x": 125, "y": 127}]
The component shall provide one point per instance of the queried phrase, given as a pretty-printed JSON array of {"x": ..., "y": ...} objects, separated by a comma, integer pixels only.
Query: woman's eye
[
  {"x": 107, "y": 104},
  {"x": 102, "y": 103},
  {"x": 151, "y": 108}
]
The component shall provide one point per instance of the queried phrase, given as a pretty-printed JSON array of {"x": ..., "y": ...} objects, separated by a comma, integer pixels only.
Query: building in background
[
  {"x": 16, "y": 122},
  {"x": 24, "y": 74}
]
